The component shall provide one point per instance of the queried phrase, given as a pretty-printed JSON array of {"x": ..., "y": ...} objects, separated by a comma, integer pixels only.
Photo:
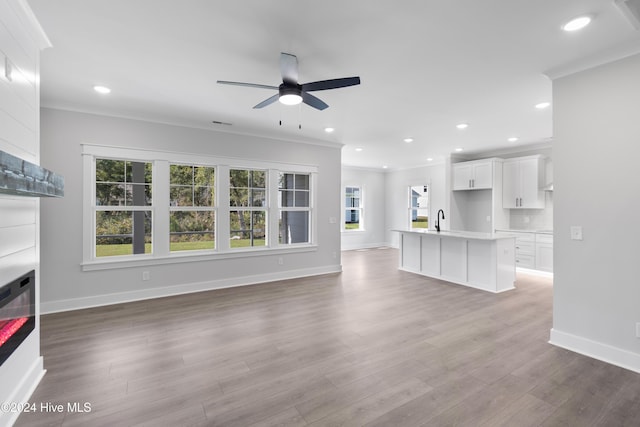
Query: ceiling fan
[{"x": 290, "y": 92}]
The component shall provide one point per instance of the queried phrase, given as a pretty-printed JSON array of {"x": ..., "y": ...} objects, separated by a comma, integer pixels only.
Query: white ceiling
[{"x": 425, "y": 66}]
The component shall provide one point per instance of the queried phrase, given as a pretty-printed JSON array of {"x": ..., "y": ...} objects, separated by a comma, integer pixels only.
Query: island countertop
[
  {"x": 480, "y": 260},
  {"x": 459, "y": 234}
]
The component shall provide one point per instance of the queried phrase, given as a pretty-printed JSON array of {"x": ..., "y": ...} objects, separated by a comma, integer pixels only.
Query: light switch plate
[{"x": 576, "y": 232}]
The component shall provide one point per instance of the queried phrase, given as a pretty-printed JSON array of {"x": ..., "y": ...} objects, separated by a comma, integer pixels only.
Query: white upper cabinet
[
  {"x": 474, "y": 175},
  {"x": 521, "y": 185}
]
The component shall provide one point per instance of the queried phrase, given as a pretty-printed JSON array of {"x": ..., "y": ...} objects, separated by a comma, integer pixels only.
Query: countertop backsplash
[{"x": 533, "y": 219}]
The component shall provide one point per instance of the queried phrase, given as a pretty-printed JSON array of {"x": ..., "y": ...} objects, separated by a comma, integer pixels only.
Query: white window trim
[{"x": 160, "y": 208}]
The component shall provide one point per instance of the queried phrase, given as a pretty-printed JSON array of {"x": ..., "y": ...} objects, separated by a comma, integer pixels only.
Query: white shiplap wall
[{"x": 21, "y": 40}]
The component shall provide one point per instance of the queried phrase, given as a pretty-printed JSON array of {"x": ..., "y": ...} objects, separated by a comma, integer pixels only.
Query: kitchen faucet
[{"x": 438, "y": 220}]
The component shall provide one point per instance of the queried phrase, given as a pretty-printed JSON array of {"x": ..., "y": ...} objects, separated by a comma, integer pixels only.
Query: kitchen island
[{"x": 480, "y": 260}]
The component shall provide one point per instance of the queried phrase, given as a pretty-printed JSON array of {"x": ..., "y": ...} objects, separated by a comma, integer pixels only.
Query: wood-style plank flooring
[{"x": 371, "y": 346}]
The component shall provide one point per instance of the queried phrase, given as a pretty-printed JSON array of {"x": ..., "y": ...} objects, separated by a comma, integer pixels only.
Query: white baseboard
[
  {"x": 356, "y": 246},
  {"x": 122, "y": 297},
  {"x": 23, "y": 391},
  {"x": 597, "y": 350}
]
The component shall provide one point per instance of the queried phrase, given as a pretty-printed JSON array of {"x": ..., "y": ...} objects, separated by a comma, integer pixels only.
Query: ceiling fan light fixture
[
  {"x": 290, "y": 95},
  {"x": 290, "y": 99}
]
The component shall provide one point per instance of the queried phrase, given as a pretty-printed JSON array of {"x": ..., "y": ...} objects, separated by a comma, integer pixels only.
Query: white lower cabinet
[
  {"x": 533, "y": 250},
  {"x": 544, "y": 252}
]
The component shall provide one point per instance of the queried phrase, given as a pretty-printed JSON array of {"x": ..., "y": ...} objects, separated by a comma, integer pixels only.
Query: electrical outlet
[
  {"x": 576, "y": 232},
  {"x": 8, "y": 69},
  {"x": 488, "y": 218},
  {"x": 146, "y": 275},
  {"x": 280, "y": 261},
  {"x": 333, "y": 220}
]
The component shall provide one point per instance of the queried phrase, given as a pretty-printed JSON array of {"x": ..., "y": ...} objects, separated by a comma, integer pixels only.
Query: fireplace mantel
[{"x": 19, "y": 177}]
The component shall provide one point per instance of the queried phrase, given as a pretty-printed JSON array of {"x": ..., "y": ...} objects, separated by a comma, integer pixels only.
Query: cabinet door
[
  {"x": 462, "y": 173},
  {"x": 530, "y": 194},
  {"x": 482, "y": 175},
  {"x": 544, "y": 256},
  {"x": 510, "y": 184}
]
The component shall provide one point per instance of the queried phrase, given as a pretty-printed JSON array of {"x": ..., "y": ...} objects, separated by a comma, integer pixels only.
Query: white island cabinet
[{"x": 480, "y": 260}]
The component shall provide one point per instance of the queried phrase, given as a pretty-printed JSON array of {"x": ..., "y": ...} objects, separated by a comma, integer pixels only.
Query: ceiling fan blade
[
  {"x": 331, "y": 84},
  {"x": 268, "y": 101},
  {"x": 224, "y": 82},
  {"x": 314, "y": 102},
  {"x": 289, "y": 68}
]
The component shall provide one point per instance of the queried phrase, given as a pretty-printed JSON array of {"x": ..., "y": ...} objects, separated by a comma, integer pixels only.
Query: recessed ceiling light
[
  {"x": 102, "y": 89},
  {"x": 577, "y": 23},
  {"x": 385, "y": 167},
  {"x": 462, "y": 125},
  {"x": 458, "y": 149},
  {"x": 359, "y": 149},
  {"x": 429, "y": 159},
  {"x": 542, "y": 105},
  {"x": 512, "y": 139},
  {"x": 408, "y": 140},
  {"x": 329, "y": 130}
]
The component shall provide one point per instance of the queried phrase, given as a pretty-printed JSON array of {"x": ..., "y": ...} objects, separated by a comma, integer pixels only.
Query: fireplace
[{"x": 17, "y": 313}]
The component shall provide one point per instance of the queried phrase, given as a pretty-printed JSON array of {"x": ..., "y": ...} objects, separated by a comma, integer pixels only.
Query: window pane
[
  {"x": 302, "y": 182},
  {"x": 120, "y": 183},
  {"x": 110, "y": 194},
  {"x": 109, "y": 170},
  {"x": 239, "y": 197},
  {"x": 123, "y": 233},
  {"x": 419, "y": 208},
  {"x": 258, "y": 179},
  {"x": 181, "y": 175},
  {"x": 192, "y": 230},
  {"x": 258, "y": 197},
  {"x": 203, "y": 196},
  {"x": 286, "y": 180},
  {"x": 180, "y": 196},
  {"x": 239, "y": 178},
  {"x": 286, "y": 198},
  {"x": 247, "y": 228},
  {"x": 352, "y": 219},
  {"x": 294, "y": 227},
  {"x": 302, "y": 198}
]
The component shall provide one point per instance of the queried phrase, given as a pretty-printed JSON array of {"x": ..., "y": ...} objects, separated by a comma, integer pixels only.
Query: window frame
[
  {"x": 160, "y": 253},
  {"x": 412, "y": 208},
  {"x": 213, "y": 209},
  {"x": 309, "y": 208},
  {"x": 360, "y": 209}
]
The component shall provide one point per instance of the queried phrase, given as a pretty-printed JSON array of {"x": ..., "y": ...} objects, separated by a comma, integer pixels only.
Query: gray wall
[
  {"x": 66, "y": 286},
  {"x": 597, "y": 186},
  {"x": 372, "y": 184}
]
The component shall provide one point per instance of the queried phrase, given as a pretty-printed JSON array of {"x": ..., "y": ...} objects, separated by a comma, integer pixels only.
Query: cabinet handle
[
  {"x": 469, "y": 183},
  {"x": 473, "y": 183},
  {"x": 516, "y": 202},
  {"x": 520, "y": 201}
]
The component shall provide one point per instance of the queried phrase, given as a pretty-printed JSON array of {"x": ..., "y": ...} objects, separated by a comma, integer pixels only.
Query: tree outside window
[
  {"x": 192, "y": 211},
  {"x": 123, "y": 212},
  {"x": 248, "y": 208}
]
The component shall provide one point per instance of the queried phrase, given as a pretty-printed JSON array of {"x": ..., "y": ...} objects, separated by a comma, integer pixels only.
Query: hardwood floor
[{"x": 371, "y": 346}]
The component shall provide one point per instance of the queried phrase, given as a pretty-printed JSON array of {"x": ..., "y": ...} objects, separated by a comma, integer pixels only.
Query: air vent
[{"x": 631, "y": 10}]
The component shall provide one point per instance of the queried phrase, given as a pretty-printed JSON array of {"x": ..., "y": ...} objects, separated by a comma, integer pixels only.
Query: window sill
[
  {"x": 354, "y": 231},
  {"x": 179, "y": 258}
]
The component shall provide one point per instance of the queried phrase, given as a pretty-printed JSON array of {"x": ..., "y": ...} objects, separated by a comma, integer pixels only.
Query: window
[
  {"x": 419, "y": 206},
  {"x": 144, "y": 207},
  {"x": 353, "y": 208},
  {"x": 122, "y": 209},
  {"x": 295, "y": 209},
  {"x": 192, "y": 212},
  {"x": 248, "y": 213}
]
